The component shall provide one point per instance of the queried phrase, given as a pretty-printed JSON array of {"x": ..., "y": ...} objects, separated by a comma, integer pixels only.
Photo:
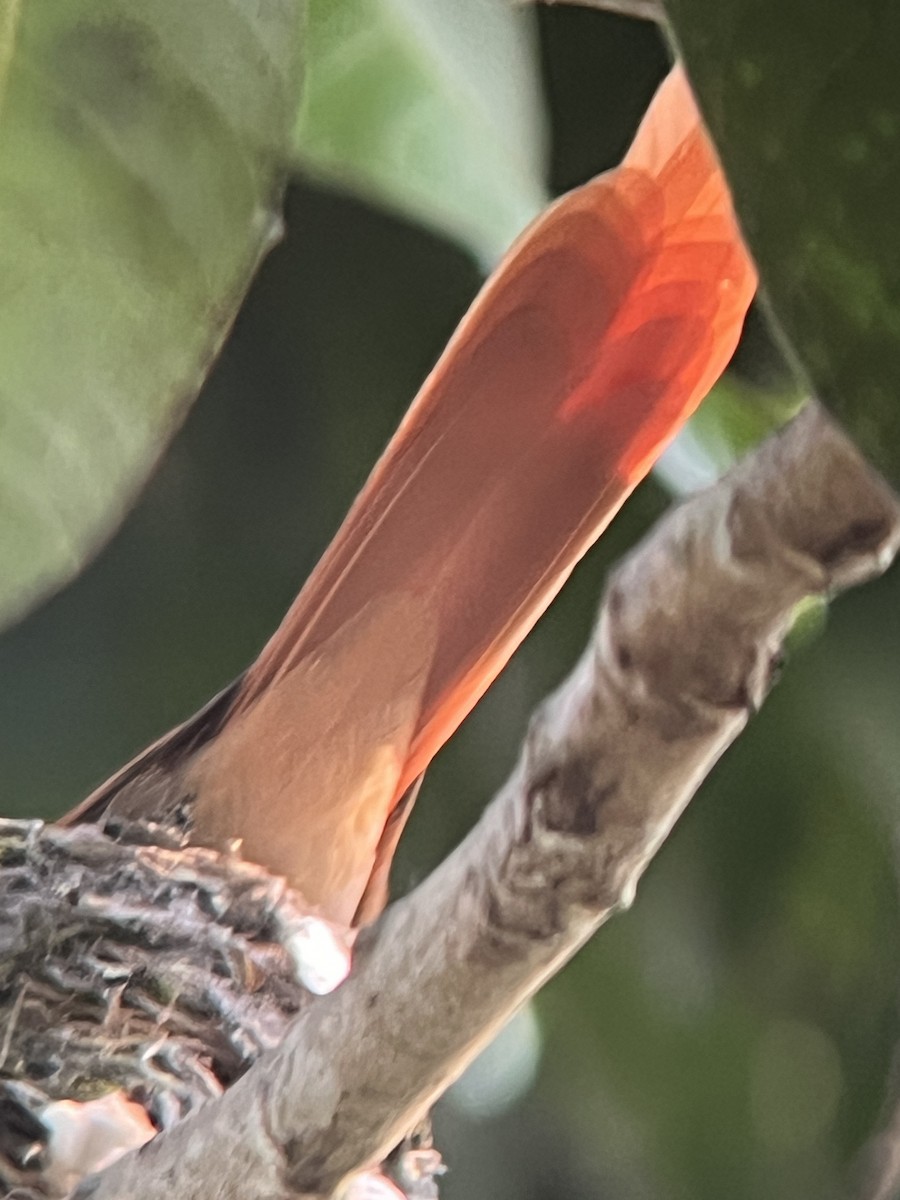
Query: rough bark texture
[{"x": 689, "y": 632}]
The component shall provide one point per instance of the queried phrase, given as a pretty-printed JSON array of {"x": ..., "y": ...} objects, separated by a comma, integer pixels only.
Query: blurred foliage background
[{"x": 733, "y": 1033}]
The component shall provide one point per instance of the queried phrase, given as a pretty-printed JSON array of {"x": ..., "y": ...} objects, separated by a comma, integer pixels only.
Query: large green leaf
[
  {"x": 803, "y": 99},
  {"x": 142, "y": 148},
  {"x": 431, "y": 107}
]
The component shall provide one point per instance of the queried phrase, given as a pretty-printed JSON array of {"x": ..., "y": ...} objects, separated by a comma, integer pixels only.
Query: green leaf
[
  {"x": 142, "y": 151},
  {"x": 431, "y": 108},
  {"x": 803, "y": 100}
]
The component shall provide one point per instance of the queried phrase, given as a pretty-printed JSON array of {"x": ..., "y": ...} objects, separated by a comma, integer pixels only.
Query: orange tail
[{"x": 600, "y": 332}]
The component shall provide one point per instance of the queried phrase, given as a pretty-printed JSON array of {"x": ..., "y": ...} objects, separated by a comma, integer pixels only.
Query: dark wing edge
[{"x": 161, "y": 759}]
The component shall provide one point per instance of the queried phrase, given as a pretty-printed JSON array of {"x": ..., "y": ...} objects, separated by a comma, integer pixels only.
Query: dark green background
[{"x": 729, "y": 1036}]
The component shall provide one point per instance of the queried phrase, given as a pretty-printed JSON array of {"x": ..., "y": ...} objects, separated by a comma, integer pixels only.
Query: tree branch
[{"x": 683, "y": 654}]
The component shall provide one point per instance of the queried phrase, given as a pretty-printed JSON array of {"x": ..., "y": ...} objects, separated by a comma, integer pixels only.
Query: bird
[{"x": 588, "y": 347}]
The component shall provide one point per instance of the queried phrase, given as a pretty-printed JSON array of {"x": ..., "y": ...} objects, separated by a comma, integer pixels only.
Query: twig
[{"x": 689, "y": 629}]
